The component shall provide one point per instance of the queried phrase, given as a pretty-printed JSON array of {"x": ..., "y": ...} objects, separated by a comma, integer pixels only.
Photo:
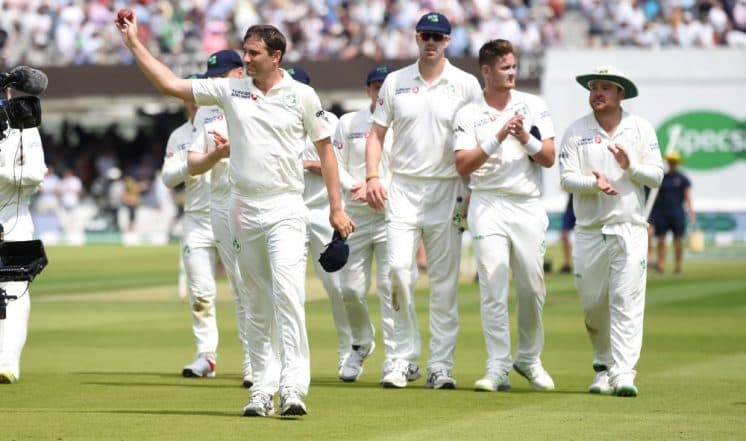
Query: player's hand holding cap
[{"x": 336, "y": 254}]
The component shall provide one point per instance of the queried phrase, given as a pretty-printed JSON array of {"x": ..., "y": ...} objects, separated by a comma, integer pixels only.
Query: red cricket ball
[{"x": 125, "y": 13}]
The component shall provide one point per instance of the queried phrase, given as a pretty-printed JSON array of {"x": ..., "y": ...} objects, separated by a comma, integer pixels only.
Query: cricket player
[
  {"x": 418, "y": 102},
  {"x": 198, "y": 251},
  {"x": 369, "y": 237},
  {"x": 204, "y": 156},
  {"x": 320, "y": 232},
  {"x": 22, "y": 170},
  {"x": 501, "y": 143},
  {"x": 269, "y": 116},
  {"x": 606, "y": 158}
]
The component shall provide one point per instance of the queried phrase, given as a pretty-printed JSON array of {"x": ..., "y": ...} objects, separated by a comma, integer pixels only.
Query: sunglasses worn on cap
[{"x": 425, "y": 36}]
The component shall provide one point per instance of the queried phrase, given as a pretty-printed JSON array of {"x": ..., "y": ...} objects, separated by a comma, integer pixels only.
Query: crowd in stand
[
  {"x": 100, "y": 180},
  {"x": 75, "y": 32},
  {"x": 122, "y": 176}
]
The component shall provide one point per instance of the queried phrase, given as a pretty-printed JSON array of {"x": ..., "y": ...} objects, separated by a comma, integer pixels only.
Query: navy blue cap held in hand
[{"x": 335, "y": 256}]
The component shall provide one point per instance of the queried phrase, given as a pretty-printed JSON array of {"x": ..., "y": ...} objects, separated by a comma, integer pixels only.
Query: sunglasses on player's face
[{"x": 425, "y": 36}]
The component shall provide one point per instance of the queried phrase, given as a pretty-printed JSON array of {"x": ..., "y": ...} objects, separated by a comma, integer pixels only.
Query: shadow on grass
[
  {"x": 182, "y": 381},
  {"x": 418, "y": 386}
]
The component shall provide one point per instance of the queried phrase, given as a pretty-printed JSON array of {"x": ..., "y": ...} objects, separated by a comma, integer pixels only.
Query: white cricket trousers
[
  {"x": 368, "y": 239},
  {"x": 319, "y": 235},
  {"x": 508, "y": 233},
  {"x": 422, "y": 209},
  {"x": 270, "y": 236},
  {"x": 611, "y": 275},
  {"x": 198, "y": 253},
  {"x": 18, "y": 225},
  {"x": 220, "y": 218}
]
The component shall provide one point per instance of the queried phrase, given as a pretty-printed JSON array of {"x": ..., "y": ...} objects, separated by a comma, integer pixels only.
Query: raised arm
[{"x": 157, "y": 73}]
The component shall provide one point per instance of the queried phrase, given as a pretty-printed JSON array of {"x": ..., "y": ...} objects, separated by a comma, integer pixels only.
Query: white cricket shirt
[
  {"x": 267, "y": 132},
  {"x": 585, "y": 148},
  {"x": 509, "y": 170},
  {"x": 315, "y": 188},
  {"x": 349, "y": 142},
  {"x": 175, "y": 170},
  {"x": 422, "y": 118},
  {"x": 211, "y": 119}
]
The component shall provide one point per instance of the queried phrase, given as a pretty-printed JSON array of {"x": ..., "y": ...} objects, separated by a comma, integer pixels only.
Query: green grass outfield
[{"x": 108, "y": 337}]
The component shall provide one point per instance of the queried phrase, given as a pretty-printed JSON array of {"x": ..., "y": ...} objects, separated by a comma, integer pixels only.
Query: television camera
[
  {"x": 20, "y": 260},
  {"x": 25, "y": 111}
]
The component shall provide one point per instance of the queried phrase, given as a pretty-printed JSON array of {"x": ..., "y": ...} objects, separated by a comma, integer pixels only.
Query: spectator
[{"x": 671, "y": 205}]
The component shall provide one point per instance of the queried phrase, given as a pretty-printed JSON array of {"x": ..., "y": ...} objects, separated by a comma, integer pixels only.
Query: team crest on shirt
[
  {"x": 290, "y": 99},
  {"x": 338, "y": 145},
  {"x": 522, "y": 110},
  {"x": 597, "y": 139},
  {"x": 380, "y": 101},
  {"x": 451, "y": 90}
]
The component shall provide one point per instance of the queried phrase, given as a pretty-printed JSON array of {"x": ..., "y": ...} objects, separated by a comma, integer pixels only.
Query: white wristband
[
  {"x": 533, "y": 146},
  {"x": 491, "y": 146}
]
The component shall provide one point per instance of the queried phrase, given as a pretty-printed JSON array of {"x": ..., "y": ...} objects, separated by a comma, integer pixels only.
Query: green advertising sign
[{"x": 706, "y": 140}]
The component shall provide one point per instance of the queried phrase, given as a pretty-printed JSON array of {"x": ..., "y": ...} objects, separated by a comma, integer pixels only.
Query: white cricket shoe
[
  {"x": 493, "y": 383},
  {"x": 601, "y": 383},
  {"x": 396, "y": 377},
  {"x": 202, "y": 366},
  {"x": 413, "y": 372},
  {"x": 7, "y": 378},
  {"x": 440, "y": 379},
  {"x": 352, "y": 367},
  {"x": 536, "y": 376},
  {"x": 624, "y": 385},
  {"x": 291, "y": 402},
  {"x": 260, "y": 404},
  {"x": 625, "y": 390}
]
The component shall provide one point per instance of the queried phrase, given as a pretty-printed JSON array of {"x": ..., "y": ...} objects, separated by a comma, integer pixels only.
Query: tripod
[{"x": 4, "y": 300}]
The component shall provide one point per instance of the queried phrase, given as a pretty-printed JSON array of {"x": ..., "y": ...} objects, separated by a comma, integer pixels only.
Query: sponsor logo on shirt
[
  {"x": 459, "y": 129},
  {"x": 403, "y": 90},
  {"x": 218, "y": 117},
  {"x": 484, "y": 121},
  {"x": 322, "y": 114},
  {"x": 586, "y": 141},
  {"x": 243, "y": 94},
  {"x": 358, "y": 135}
]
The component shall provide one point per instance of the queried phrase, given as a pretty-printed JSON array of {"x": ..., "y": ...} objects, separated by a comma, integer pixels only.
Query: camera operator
[{"x": 22, "y": 170}]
